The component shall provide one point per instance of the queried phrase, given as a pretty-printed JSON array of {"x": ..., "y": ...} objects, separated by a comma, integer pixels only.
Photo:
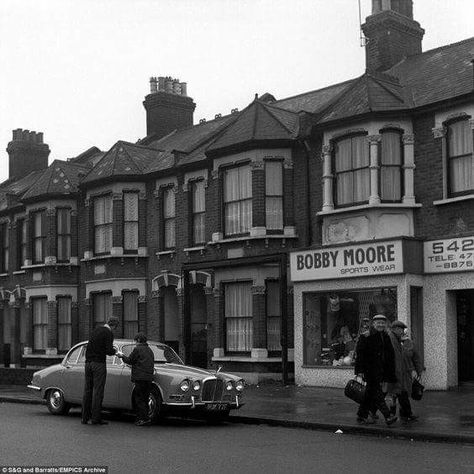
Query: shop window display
[{"x": 333, "y": 322}]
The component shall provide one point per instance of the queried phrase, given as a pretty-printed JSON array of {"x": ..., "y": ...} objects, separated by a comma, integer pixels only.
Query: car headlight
[
  {"x": 196, "y": 385},
  {"x": 185, "y": 385},
  {"x": 239, "y": 385},
  {"x": 229, "y": 385}
]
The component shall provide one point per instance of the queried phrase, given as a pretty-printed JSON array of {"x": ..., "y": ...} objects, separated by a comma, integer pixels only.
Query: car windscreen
[{"x": 161, "y": 354}]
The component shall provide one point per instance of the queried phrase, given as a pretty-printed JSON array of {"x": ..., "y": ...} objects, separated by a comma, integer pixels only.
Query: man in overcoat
[{"x": 375, "y": 363}]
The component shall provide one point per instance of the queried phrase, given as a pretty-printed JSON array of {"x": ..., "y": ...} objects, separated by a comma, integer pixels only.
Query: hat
[
  {"x": 379, "y": 317},
  {"x": 399, "y": 324}
]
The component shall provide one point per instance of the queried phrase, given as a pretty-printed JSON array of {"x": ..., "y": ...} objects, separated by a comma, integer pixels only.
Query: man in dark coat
[
  {"x": 375, "y": 363},
  {"x": 100, "y": 345},
  {"x": 142, "y": 361}
]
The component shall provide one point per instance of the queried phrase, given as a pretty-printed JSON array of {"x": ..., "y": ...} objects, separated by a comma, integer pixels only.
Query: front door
[
  {"x": 198, "y": 327},
  {"x": 465, "y": 317}
]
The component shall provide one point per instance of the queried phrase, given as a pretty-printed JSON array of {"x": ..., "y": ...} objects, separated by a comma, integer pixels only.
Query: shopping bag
[
  {"x": 355, "y": 390},
  {"x": 417, "y": 389}
]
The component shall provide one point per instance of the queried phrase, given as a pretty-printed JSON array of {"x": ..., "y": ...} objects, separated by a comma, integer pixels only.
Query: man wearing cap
[
  {"x": 100, "y": 346},
  {"x": 375, "y": 363},
  {"x": 406, "y": 360}
]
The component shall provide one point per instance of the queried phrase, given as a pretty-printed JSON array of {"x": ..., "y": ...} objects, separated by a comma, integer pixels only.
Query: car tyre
[{"x": 56, "y": 403}]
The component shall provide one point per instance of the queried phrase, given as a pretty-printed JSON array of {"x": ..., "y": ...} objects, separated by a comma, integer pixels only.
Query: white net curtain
[
  {"x": 238, "y": 200},
  {"x": 239, "y": 316}
]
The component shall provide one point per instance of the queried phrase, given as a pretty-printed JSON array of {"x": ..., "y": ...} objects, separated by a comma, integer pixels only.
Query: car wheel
[
  {"x": 155, "y": 406},
  {"x": 218, "y": 417},
  {"x": 56, "y": 403}
]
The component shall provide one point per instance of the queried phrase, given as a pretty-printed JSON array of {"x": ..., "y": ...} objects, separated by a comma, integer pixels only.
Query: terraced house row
[{"x": 264, "y": 239}]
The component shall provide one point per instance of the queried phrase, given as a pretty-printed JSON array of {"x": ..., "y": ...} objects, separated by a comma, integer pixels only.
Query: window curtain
[
  {"x": 40, "y": 323},
  {"x": 103, "y": 224},
  {"x": 238, "y": 314},
  {"x": 102, "y": 307},
  {"x": 273, "y": 311},
  {"x": 461, "y": 157},
  {"x": 169, "y": 213},
  {"x": 391, "y": 167},
  {"x": 130, "y": 214},
  {"x": 238, "y": 200},
  {"x": 130, "y": 314},
  {"x": 199, "y": 209},
  {"x": 352, "y": 170},
  {"x": 274, "y": 195},
  {"x": 64, "y": 324},
  {"x": 64, "y": 234}
]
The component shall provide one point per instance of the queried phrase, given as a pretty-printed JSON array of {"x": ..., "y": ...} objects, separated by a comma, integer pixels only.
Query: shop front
[{"x": 338, "y": 289}]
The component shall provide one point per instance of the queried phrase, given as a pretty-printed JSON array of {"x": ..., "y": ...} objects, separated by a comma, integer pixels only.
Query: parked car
[{"x": 178, "y": 388}]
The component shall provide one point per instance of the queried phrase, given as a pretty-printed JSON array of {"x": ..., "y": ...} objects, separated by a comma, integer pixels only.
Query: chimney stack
[
  {"x": 167, "y": 106},
  {"x": 27, "y": 153},
  {"x": 392, "y": 34}
]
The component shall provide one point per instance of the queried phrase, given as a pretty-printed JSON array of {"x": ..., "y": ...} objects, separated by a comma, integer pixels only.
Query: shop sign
[
  {"x": 380, "y": 258},
  {"x": 449, "y": 255}
]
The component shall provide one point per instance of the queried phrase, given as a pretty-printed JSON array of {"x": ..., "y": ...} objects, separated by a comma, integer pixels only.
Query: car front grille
[{"x": 212, "y": 390}]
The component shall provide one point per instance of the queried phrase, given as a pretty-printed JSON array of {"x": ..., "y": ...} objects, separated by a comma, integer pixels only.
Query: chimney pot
[
  {"x": 39, "y": 137},
  {"x": 25, "y": 135},
  {"x": 184, "y": 89},
  {"x": 203, "y": 120},
  {"x": 218, "y": 116}
]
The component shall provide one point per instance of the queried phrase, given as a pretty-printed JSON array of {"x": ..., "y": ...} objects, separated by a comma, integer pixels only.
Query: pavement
[{"x": 445, "y": 416}]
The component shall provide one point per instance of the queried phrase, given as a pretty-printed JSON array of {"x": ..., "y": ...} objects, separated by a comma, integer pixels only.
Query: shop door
[
  {"x": 465, "y": 318},
  {"x": 198, "y": 327}
]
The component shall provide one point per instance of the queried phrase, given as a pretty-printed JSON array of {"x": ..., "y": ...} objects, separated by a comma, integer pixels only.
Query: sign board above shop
[
  {"x": 368, "y": 259},
  {"x": 449, "y": 255}
]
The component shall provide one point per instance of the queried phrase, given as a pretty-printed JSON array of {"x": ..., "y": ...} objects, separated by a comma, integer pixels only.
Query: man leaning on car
[
  {"x": 99, "y": 346},
  {"x": 142, "y": 361}
]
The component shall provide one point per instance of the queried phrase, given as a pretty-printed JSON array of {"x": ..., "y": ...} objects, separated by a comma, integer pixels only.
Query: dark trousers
[
  {"x": 405, "y": 405},
  {"x": 142, "y": 394},
  {"x": 95, "y": 373},
  {"x": 374, "y": 399}
]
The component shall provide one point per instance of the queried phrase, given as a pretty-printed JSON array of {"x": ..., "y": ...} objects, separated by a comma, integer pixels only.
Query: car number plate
[{"x": 217, "y": 406}]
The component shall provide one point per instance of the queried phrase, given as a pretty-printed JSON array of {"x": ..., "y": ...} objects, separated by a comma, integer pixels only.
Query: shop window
[
  {"x": 352, "y": 173},
  {"x": 102, "y": 307},
  {"x": 130, "y": 314},
  {"x": 198, "y": 212},
  {"x": 63, "y": 221},
  {"x": 5, "y": 242},
  {"x": 273, "y": 313},
  {"x": 237, "y": 200},
  {"x": 103, "y": 224},
  {"x": 40, "y": 323},
  {"x": 64, "y": 324},
  {"x": 274, "y": 195},
  {"x": 333, "y": 322},
  {"x": 391, "y": 161},
  {"x": 39, "y": 237},
  {"x": 130, "y": 221},
  {"x": 460, "y": 158},
  {"x": 169, "y": 218},
  {"x": 238, "y": 316},
  {"x": 22, "y": 242}
]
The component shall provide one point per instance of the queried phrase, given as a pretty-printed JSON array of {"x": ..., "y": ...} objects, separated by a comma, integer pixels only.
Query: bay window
[
  {"x": 5, "y": 242},
  {"x": 198, "y": 212},
  {"x": 391, "y": 166},
  {"x": 169, "y": 218},
  {"x": 460, "y": 158},
  {"x": 40, "y": 323},
  {"x": 130, "y": 314},
  {"x": 102, "y": 307},
  {"x": 64, "y": 324},
  {"x": 237, "y": 200},
  {"x": 273, "y": 313},
  {"x": 274, "y": 195},
  {"x": 22, "y": 242},
  {"x": 63, "y": 220},
  {"x": 351, "y": 169},
  {"x": 238, "y": 314},
  {"x": 39, "y": 237},
  {"x": 103, "y": 224},
  {"x": 130, "y": 221}
]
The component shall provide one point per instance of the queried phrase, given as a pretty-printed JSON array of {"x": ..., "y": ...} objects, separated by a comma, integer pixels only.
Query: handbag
[
  {"x": 355, "y": 390},
  {"x": 417, "y": 389}
]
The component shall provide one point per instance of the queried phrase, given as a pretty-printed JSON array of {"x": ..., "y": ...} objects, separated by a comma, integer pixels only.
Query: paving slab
[{"x": 446, "y": 416}]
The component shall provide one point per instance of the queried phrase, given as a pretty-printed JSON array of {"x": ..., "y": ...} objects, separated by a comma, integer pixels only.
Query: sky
[{"x": 78, "y": 70}]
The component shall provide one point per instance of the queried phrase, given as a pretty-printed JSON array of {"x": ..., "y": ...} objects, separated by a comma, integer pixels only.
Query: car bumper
[
  {"x": 35, "y": 388},
  {"x": 236, "y": 403}
]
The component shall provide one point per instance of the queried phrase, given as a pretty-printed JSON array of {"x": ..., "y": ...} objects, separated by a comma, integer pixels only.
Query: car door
[
  {"x": 112, "y": 383},
  {"x": 126, "y": 385},
  {"x": 72, "y": 376}
]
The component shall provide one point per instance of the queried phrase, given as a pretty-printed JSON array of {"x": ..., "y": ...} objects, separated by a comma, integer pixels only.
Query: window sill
[
  {"x": 4, "y": 274},
  {"x": 43, "y": 356},
  {"x": 19, "y": 272},
  {"x": 369, "y": 206},
  {"x": 326, "y": 367},
  {"x": 441, "y": 202},
  {"x": 109, "y": 256},
  {"x": 43, "y": 265},
  {"x": 253, "y": 237},
  {"x": 200, "y": 248},
  {"x": 245, "y": 359},
  {"x": 164, "y": 253}
]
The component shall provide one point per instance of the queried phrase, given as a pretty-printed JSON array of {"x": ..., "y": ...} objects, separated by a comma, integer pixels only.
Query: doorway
[
  {"x": 465, "y": 323},
  {"x": 198, "y": 326}
]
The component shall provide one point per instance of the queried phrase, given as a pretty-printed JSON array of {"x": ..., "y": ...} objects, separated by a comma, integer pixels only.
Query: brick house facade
[{"x": 188, "y": 233}]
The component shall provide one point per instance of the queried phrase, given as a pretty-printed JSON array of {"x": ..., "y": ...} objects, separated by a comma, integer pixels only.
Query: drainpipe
[
  {"x": 309, "y": 234},
  {"x": 284, "y": 318}
]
